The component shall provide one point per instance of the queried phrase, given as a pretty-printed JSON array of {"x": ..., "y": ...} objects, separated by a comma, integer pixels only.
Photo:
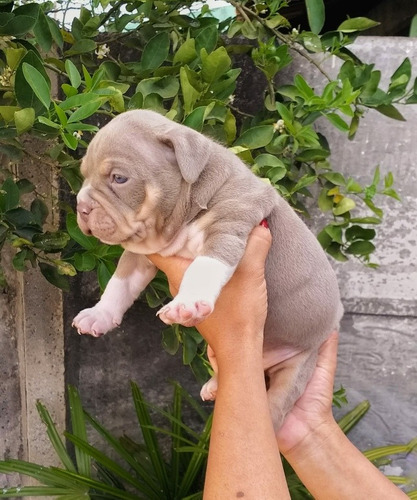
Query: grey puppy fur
[{"x": 155, "y": 186}]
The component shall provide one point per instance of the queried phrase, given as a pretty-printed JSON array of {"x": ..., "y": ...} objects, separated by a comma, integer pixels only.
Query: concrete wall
[
  {"x": 37, "y": 342},
  {"x": 31, "y": 345}
]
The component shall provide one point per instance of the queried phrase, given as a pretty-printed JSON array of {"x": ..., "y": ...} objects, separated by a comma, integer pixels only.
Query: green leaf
[
  {"x": 215, "y": 64},
  {"x": 337, "y": 121},
  {"x": 149, "y": 487},
  {"x": 24, "y": 120},
  {"x": 196, "y": 119},
  {"x": 207, "y": 38},
  {"x": 48, "y": 122},
  {"x": 40, "y": 211},
  {"x": 325, "y": 202},
  {"x": 170, "y": 341},
  {"x": 335, "y": 178},
  {"x": 189, "y": 348},
  {"x": 335, "y": 233},
  {"x": 68, "y": 90},
  {"x": 105, "y": 271},
  {"x": 54, "y": 437},
  {"x": 305, "y": 181},
  {"x": 167, "y": 87},
  {"x": 87, "y": 242},
  {"x": 84, "y": 261},
  {"x": 390, "y": 111},
  {"x": 82, "y": 46},
  {"x": 361, "y": 248},
  {"x": 256, "y": 137},
  {"x": 413, "y": 27},
  {"x": 186, "y": 52},
  {"x": 352, "y": 418},
  {"x": 315, "y": 14},
  {"x": 190, "y": 93},
  {"x": 13, "y": 56},
  {"x": 359, "y": 233},
  {"x": 85, "y": 111},
  {"x": 357, "y": 24},
  {"x": 42, "y": 32},
  {"x": 9, "y": 195},
  {"x": 38, "y": 84},
  {"x": 7, "y": 112},
  {"x": 55, "y": 32},
  {"x": 345, "y": 205},
  {"x": 151, "y": 441},
  {"x": 52, "y": 275},
  {"x": 79, "y": 430},
  {"x": 25, "y": 186},
  {"x": 51, "y": 241},
  {"x": 303, "y": 87},
  {"x": 156, "y": 51},
  {"x": 19, "y": 22},
  {"x": 268, "y": 160},
  {"x": 69, "y": 140},
  {"x": 73, "y": 73},
  {"x": 25, "y": 94},
  {"x": 334, "y": 249},
  {"x": 401, "y": 77}
]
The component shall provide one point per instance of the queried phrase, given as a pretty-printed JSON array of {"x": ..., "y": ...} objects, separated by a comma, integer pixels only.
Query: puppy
[{"x": 155, "y": 186}]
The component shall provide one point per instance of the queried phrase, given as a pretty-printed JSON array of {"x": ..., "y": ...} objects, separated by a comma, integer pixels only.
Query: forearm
[
  {"x": 330, "y": 466},
  {"x": 243, "y": 456}
]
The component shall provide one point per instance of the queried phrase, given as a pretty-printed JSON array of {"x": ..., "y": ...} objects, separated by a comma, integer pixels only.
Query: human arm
[
  {"x": 243, "y": 457},
  {"x": 328, "y": 464}
]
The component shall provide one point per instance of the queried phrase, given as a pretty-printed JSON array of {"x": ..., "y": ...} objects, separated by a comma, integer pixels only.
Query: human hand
[
  {"x": 240, "y": 311},
  {"x": 314, "y": 408}
]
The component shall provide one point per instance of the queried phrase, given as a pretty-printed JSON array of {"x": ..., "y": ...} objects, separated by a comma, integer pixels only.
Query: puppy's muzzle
[{"x": 83, "y": 210}]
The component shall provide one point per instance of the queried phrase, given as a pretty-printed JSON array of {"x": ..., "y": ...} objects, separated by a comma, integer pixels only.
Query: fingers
[
  {"x": 328, "y": 354},
  {"x": 257, "y": 249},
  {"x": 173, "y": 267}
]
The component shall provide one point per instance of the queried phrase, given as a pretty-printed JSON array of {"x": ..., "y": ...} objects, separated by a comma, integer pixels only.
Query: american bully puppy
[{"x": 155, "y": 186}]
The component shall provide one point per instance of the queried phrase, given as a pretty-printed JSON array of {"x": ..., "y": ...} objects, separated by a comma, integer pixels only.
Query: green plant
[
  {"x": 146, "y": 470},
  {"x": 140, "y": 471},
  {"x": 122, "y": 54}
]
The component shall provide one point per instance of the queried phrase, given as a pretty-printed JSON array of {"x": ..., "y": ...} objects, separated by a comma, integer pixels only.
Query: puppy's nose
[{"x": 83, "y": 209}]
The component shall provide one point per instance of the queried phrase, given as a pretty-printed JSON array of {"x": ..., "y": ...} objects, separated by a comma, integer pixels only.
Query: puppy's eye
[{"x": 119, "y": 179}]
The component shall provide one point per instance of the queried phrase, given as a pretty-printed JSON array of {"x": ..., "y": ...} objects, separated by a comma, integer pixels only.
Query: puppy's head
[{"x": 134, "y": 169}]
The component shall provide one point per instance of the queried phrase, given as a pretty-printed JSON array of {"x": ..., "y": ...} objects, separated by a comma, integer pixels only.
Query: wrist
[
  {"x": 321, "y": 438},
  {"x": 241, "y": 347}
]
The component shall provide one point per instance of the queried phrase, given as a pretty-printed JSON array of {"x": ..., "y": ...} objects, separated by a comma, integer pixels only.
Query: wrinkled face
[{"x": 126, "y": 171}]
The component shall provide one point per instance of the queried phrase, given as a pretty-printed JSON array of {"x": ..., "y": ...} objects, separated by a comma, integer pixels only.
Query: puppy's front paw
[
  {"x": 186, "y": 313},
  {"x": 95, "y": 321}
]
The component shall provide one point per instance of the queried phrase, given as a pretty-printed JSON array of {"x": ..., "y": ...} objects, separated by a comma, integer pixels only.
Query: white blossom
[
  {"x": 102, "y": 51},
  {"x": 6, "y": 76},
  {"x": 279, "y": 126}
]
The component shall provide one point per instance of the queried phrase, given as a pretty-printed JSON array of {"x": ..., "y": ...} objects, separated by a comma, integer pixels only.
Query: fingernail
[{"x": 264, "y": 223}]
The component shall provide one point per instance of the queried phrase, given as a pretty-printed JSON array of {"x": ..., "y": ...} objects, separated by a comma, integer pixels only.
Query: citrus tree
[{"x": 163, "y": 55}]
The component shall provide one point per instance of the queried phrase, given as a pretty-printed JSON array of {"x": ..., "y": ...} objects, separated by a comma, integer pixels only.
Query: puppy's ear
[{"x": 191, "y": 149}]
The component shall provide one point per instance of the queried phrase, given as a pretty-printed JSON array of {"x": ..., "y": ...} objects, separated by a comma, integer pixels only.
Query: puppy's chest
[{"x": 188, "y": 243}]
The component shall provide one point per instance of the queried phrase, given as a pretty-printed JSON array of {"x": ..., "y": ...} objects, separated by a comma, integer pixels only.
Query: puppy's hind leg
[
  {"x": 209, "y": 390},
  {"x": 286, "y": 383}
]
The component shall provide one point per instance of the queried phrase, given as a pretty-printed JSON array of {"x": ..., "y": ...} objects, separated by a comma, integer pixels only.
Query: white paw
[
  {"x": 209, "y": 390},
  {"x": 95, "y": 321},
  {"x": 185, "y": 312}
]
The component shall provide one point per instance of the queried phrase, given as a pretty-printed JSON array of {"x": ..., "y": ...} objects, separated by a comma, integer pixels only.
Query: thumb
[{"x": 257, "y": 248}]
